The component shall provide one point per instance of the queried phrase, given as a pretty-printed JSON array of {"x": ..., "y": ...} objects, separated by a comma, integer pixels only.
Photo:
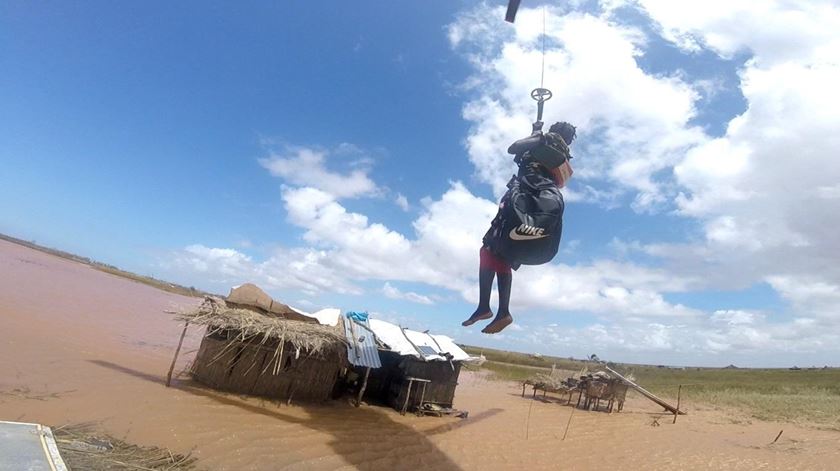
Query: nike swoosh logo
[{"x": 517, "y": 236}]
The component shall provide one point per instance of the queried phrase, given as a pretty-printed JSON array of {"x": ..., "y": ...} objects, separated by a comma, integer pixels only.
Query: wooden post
[
  {"x": 528, "y": 420},
  {"x": 177, "y": 351},
  {"x": 569, "y": 423},
  {"x": 423, "y": 395},
  {"x": 407, "y": 395},
  {"x": 676, "y": 412},
  {"x": 362, "y": 389}
]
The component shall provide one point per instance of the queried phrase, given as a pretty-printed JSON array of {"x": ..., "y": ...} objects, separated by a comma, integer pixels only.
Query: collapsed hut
[
  {"x": 411, "y": 370},
  {"x": 255, "y": 346}
]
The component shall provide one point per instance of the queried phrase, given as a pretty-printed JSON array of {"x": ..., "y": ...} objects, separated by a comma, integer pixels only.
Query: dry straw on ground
[{"x": 84, "y": 449}]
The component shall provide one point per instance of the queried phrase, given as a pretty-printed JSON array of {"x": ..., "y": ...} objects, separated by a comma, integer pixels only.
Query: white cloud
[
  {"x": 392, "y": 292},
  {"x": 735, "y": 317},
  {"x": 764, "y": 195},
  {"x": 444, "y": 253},
  {"x": 303, "y": 269},
  {"x": 346, "y": 247},
  {"x": 813, "y": 296},
  {"x": 764, "y": 191},
  {"x": 775, "y": 31},
  {"x": 402, "y": 202},
  {"x": 605, "y": 288},
  {"x": 447, "y": 237},
  {"x": 307, "y": 166},
  {"x": 632, "y": 125},
  {"x": 222, "y": 261},
  {"x": 728, "y": 336}
]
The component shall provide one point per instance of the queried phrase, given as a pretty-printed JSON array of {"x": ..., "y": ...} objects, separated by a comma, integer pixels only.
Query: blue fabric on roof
[{"x": 358, "y": 316}]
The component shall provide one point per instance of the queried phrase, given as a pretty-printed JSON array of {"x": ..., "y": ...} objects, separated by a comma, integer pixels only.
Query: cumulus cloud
[
  {"x": 225, "y": 262},
  {"x": 632, "y": 125},
  {"x": 764, "y": 190},
  {"x": 764, "y": 195},
  {"x": 393, "y": 292},
  {"x": 773, "y": 31},
  {"x": 347, "y": 248},
  {"x": 308, "y": 167},
  {"x": 402, "y": 202}
]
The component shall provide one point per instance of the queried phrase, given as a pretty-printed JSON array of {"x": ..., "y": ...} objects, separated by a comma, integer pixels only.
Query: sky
[{"x": 351, "y": 155}]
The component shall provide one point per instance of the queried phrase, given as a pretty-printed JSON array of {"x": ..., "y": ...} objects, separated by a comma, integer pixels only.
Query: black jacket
[{"x": 529, "y": 223}]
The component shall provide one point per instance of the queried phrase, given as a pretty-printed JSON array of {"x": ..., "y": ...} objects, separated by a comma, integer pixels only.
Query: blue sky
[{"x": 350, "y": 155}]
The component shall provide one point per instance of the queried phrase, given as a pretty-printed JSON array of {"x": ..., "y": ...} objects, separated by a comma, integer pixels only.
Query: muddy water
[{"x": 79, "y": 345}]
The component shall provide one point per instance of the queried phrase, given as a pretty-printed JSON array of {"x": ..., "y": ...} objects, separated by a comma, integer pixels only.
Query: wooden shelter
[
  {"x": 390, "y": 383},
  {"x": 418, "y": 369}
]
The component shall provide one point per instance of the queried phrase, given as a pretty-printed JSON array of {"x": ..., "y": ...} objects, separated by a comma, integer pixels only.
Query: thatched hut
[{"x": 257, "y": 353}]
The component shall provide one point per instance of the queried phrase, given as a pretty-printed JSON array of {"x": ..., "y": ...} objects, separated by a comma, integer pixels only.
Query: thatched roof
[{"x": 251, "y": 325}]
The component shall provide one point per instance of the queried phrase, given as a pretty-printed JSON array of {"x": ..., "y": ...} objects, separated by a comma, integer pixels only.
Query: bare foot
[
  {"x": 498, "y": 324},
  {"x": 478, "y": 315}
]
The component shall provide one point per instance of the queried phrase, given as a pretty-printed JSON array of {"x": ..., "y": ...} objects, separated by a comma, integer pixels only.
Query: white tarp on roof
[
  {"x": 448, "y": 345},
  {"x": 400, "y": 340},
  {"x": 392, "y": 336},
  {"x": 327, "y": 316}
]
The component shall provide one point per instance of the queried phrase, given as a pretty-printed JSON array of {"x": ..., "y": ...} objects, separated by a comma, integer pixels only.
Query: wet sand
[{"x": 79, "y": 345}]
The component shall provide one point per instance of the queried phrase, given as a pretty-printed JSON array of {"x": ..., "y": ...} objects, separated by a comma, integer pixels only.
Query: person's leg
[
  {"x": 486, "y": 273},
  {"x": 503, "y": 317}
]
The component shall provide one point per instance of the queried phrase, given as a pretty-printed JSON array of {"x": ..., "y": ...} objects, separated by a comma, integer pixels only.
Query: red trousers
[{"x": 489, "y": 260}]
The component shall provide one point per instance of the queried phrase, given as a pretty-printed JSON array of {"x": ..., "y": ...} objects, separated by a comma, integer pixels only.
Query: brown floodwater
[{"x": 80, "y": 345}]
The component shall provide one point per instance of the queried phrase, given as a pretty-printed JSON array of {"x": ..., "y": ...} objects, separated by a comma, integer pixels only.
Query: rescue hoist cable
[{"x": 541, "y": 94}]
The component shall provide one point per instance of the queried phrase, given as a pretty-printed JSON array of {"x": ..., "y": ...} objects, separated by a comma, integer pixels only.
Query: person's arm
[{"x": 524, "y": 145}]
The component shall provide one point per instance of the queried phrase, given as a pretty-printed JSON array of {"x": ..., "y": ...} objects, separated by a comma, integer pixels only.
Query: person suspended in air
[{"x": 529, "y": 222}]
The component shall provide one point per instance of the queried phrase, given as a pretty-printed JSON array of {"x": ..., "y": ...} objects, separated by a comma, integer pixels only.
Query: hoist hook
[{"x": 541, "y": 95}]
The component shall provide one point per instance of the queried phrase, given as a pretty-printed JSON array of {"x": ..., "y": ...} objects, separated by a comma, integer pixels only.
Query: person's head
[{"x": 565, "y": 130}]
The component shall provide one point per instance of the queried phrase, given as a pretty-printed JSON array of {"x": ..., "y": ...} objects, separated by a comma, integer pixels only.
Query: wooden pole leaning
[
  {"x": 177, "y": 351},
  {"x": 677, "y": 410}
]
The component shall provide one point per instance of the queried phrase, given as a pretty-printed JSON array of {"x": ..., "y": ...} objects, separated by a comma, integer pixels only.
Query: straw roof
[{"x": 250, "y": 325}]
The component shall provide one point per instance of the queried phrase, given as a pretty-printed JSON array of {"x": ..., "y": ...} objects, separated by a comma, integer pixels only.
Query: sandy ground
[{"x": 79, "y": 345}]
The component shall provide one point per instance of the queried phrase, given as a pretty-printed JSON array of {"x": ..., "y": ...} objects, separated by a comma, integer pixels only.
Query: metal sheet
[
  {"x": 29, "y": 447},
  {"x": 361, "y": 343}
]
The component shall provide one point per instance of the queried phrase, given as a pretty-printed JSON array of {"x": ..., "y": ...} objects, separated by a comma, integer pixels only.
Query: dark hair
[{"x": 565, "y": 130}]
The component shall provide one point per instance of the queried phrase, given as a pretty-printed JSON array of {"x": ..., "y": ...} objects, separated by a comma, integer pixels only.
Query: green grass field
[{"x": 808, "y": 396}]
